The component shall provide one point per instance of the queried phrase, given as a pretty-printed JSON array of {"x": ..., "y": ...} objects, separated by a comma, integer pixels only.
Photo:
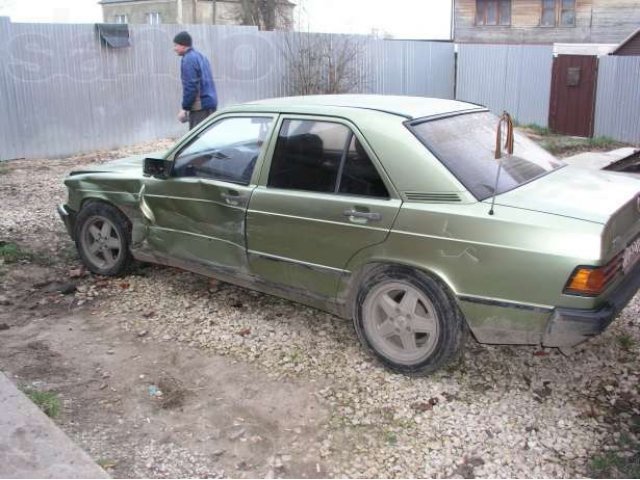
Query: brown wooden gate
[{"x": 573, "y": 88}]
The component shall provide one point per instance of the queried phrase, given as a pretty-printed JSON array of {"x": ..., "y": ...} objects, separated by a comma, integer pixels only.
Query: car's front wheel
[
  {"x": 102, "y": 236},
  {"x": 409, "y": 322}
]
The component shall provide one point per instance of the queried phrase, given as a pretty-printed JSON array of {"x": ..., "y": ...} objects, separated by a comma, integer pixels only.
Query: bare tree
[
  {"x": 265, "y": 14},
  {"x": 325, "y": 64}
]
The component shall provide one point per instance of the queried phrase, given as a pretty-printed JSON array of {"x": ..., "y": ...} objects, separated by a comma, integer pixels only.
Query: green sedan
[{"x": 420, "y": 219}]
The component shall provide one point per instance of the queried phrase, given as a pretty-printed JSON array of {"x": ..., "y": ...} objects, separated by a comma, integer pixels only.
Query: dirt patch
[
  {"x": 170, "y": 391},
  {"x": 163, "y": 410}
]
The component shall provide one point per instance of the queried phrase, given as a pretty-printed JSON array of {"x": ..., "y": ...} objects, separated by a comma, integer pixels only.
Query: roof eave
[{"x": 625, "y": 41}]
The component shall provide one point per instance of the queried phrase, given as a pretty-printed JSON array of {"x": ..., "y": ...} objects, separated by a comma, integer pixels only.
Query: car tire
[
  {"x": 103, "y": 236},
  {"x": 408, "y": 321}
]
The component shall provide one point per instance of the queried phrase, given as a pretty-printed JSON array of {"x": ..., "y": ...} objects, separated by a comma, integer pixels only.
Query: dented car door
[{"x": 198, "y": 213}]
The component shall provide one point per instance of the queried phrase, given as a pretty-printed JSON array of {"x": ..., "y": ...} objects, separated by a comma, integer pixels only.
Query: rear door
[{"x": 321, "y": 198}]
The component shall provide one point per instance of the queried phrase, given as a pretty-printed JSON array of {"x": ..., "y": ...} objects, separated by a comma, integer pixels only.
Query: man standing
[{"x": 199, "y": 97}]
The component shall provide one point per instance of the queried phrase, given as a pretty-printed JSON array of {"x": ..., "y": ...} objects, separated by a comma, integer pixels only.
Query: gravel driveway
[{"x": 501, "y": 412}]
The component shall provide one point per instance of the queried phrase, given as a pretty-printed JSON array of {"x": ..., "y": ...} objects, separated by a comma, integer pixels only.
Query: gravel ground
[{"x": 501, "y": 412}]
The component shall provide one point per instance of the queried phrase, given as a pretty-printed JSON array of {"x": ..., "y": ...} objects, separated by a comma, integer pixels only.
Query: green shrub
[
  {"x": 12, "y": 253},
  {"x": 48, "y": 402}
]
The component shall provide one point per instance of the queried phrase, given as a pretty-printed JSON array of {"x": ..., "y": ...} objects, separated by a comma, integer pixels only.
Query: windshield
[{"x": 466, "y": 144}]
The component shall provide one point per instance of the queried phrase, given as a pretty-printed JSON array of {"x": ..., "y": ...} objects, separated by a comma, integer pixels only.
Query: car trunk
[
  {"x": 592, "y": 195},
  {"x": 606, "y": 198}
]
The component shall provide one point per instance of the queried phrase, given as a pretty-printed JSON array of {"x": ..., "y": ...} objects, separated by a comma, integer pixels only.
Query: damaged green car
[{"x": 391, "y": 211}]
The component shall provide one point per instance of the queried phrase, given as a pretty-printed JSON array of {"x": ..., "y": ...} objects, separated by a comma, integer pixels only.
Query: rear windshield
[{"x": 466, "y": 144}]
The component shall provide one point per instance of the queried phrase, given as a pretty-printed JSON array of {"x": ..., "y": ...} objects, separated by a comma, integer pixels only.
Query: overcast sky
[
  {"x": 399, "y": 18},
  {"x": 65, "y": 11}
]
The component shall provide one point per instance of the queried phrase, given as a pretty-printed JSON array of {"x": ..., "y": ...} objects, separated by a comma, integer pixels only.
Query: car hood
[
  {"x": 591, "y": 195},
  {"x": 126, "y": 165}
]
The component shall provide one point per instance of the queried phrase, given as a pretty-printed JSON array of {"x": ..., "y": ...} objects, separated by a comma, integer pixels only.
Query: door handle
[
  {"x": 373, "y": 216},
  {"x": 232, "y": 198}
]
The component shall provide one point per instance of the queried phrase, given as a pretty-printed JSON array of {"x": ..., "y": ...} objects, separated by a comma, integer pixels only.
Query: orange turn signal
[
  {"x": 586, "y": 281},
  {"x": 592, "y": 281}
]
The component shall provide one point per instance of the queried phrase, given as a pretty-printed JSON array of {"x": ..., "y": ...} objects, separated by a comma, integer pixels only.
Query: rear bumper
[
  {"x": 569, "y": 327},
  {"x": 68, "y": 217}
]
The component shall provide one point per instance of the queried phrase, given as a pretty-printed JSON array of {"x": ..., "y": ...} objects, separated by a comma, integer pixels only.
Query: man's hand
[{"x": 183, "y": 116}]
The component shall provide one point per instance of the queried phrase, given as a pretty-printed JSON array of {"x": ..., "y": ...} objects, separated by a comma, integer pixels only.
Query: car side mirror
[{"x": 157, "y": 167}]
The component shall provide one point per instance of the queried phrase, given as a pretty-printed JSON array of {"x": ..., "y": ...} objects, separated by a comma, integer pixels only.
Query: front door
[
  {"x": 322, "y": 199},
  {"x": 573, "y": 89},
  {"x": 198, "y": 214}
]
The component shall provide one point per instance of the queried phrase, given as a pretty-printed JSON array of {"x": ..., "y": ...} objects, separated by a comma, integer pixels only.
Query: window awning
[{"x": 115, "y": 35}]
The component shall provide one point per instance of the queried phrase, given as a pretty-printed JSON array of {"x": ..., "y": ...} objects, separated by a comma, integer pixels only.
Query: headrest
[{"x": 307, "y": 144}]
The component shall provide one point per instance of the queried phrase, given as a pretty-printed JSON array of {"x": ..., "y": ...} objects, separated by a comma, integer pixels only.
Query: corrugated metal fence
[
  {"x": 62, "y": 92},
  {"x": 618, "y": 99},
  {"x": 515, "y": 78}
]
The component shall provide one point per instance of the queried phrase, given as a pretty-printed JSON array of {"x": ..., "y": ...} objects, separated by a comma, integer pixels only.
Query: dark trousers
[{"x": 198, "y": 116}]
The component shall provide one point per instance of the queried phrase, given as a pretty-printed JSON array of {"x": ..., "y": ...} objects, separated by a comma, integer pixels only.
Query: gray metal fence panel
[
  {"x": 516, "y": 78},
  {"x": 413, "y": 68},
  {"x": 74, "y": 94},
  {"x": 618, "y": 99},
  {"x": 10, "y": 132},
  {"x": 67, "y": 93},
  {"x": 63, "y": 92}
]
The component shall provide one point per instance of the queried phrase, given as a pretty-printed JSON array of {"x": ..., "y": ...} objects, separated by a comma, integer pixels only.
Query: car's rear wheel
[
  {"x": 102, "y": 236},
  {"x": 408, "y": 321}
]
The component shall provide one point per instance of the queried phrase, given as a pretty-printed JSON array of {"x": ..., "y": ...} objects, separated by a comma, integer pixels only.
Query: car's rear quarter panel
[{"x": 507, "y": 271}]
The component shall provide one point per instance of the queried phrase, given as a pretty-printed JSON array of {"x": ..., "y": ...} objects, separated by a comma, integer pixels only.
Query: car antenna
[{"x": 508, "y": 145}]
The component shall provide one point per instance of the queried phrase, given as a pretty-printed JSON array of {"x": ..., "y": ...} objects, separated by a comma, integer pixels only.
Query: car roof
[{"x": 408, "y": 107}]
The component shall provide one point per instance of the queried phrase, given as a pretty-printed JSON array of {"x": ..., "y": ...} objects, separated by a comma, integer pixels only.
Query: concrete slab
[
  {"x": 32, "y": 446},
  {"x": 599, "y": 160}
]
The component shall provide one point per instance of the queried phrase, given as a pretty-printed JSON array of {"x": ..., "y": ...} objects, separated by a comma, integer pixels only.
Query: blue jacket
[{"x": 196, "y": 75}]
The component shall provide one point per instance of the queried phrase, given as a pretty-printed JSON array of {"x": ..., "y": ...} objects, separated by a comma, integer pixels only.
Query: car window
[
  {"x": 307, "y": 155},
  {"x": 465, "y": 144},
  {"x": 323, "y": 157},
  {"x": 359, "y": 176},
  {"x": 227, "y": 150}
]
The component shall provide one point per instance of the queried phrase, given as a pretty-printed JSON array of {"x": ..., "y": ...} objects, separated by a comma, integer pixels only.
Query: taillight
[{"x": 592, "y": 281}]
